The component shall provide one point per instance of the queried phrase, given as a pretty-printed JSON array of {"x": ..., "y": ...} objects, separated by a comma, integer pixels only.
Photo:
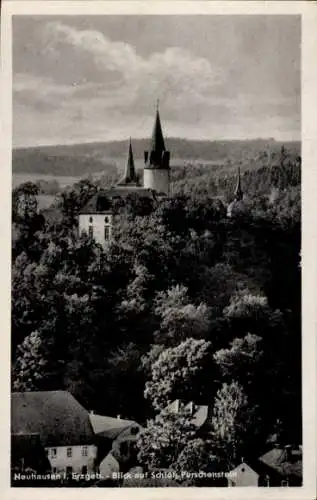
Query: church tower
[{"x": 157, "y": 161}]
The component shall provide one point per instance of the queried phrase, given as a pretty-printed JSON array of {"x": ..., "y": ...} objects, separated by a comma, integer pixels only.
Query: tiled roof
[
  {"x": 285, "y": 462},
  {"x": 199, "y": 412},
  {"x": 110, "y": 427},
  {"x": 55, "y": 415}
]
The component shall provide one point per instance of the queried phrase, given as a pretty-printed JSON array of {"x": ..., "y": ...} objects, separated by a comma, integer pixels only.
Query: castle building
[{"x": 97, "y": 218}]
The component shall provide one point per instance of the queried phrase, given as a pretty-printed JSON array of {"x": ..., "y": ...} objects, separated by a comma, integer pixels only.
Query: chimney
[
  {"x": 119, "y": 417},
  {"x": 177, "y": 406},
  {"x": 91, "y": 412},
  {"x": 288, "y": 452},
  {"x": 191, "y": 407}
]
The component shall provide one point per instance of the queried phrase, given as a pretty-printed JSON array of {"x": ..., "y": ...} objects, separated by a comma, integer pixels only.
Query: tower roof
[
  {"x": 129, "y": 176},
  {"x": 238, "y": 193},
  {"x": 157, "y": 142}
]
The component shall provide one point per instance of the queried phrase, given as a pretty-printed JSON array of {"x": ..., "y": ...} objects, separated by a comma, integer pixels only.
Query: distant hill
[{"x": 88, "y": 158}]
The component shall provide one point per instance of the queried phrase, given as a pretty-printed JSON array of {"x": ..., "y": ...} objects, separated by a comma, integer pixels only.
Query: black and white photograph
[{"x": 156, "y": 251}]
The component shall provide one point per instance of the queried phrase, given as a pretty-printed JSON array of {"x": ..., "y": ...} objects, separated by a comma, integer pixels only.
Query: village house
[
  {"x": 63, "y": 426},
  {"x": 280, "y": 466},
  {"x": 71, "y": 439}
]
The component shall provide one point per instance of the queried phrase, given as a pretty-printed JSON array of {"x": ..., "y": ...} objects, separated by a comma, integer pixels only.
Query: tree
[
  {"x": 230, "y": 421},
  {"x": 179, "y": 318},
  {"x": 160, "y": 444},
  {"x": 241, "y": 361},
  {"x": 180, "y": 372},
  {"x": 30, "y": 363}
]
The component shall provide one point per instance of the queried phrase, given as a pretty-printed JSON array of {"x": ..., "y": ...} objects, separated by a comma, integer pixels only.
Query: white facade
[
  {"x": 243, "y": 475},
  {"x": 157, "y": 179},
  {"x": 96, "y": 226},
  {"x": 79, "y": 459}
]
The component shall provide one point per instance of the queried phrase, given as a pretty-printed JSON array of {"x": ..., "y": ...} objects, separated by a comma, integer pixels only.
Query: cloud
[{"x": 90, "y": 87}]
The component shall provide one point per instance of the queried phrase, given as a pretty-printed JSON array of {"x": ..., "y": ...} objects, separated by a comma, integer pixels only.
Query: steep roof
[
  {"x": 101, "y": 202},
  {"x": 199, "y": 413},
  {"x": 157, "y": 141},
  {"x": 285, "y": 462},
  {"x": 55, "y": 415},
  {"x": 129, "y": 176},
  {"x": 110, "y": 427}
]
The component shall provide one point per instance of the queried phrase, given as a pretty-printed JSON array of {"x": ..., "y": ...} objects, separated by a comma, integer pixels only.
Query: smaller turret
[
  {"x": 237, "y": 206},
  {"x": 129, "y": 177}
]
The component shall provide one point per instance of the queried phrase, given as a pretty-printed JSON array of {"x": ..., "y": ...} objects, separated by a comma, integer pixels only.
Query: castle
[{"x": 97, "y": 218}]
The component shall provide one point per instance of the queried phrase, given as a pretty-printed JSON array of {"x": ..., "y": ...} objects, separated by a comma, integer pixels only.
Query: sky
[{"x": 98, "y": 78}]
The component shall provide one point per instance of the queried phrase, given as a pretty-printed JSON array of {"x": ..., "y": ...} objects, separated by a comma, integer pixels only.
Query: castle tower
[
  {"x": 157, "y": 161},
  {"x": 129, "y": 177}
]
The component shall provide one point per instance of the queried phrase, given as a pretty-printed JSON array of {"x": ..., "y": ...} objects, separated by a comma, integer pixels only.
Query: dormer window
[{"x": 90, "y": 220}]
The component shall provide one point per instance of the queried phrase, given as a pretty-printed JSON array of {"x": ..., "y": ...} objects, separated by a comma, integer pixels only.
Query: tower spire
[
  {"x": 157, "y": 142},
  {"x": 238, "y": 193},
  {"x": 129, "y": 176}
]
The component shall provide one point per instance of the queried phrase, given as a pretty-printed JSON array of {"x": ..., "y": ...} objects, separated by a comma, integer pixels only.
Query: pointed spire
[
  {"x": 157, "y": 142},
  {"x": 238, "y": 193},
  {"x": 129, "y": 176}
]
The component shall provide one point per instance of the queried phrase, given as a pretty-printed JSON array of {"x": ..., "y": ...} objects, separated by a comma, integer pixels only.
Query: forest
[{"x": 185, "y": 303}]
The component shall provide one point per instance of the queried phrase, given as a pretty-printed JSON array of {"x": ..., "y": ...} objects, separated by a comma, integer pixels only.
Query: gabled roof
[
  {"x": 287, "y": 462},
  {"x": 101, "y": 202},
  {"x": 55, "y": 415},
  {"x": 199, "y": 413},
  {"x": 109, "y": 427},
  {"x": 157, "y": 141},
  {"x": 129, "y": 176}
]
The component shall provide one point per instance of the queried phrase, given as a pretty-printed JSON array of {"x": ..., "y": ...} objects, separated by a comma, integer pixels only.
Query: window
[
  {"x": 69, "y": 470},
  {"x": 53, "y": 452},
  {"x": 84, "y": 451},
  {"x": 84, "y": 469},
  {"x": 134, "y": 431},
  {"x": 54, "y": 470},
  {"x": 91, "y": 232},
  {"x": 90, "y": 220},
  {"x": 107, "y": 233},
  {"x": 107, "y": 220},
  {"x": 69, "y": 452}
]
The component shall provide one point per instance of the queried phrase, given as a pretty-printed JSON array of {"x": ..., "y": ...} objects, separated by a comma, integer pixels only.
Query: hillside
[{"x": 84, "y": 159}]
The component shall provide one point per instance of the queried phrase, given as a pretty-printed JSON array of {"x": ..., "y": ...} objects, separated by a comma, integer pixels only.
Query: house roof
[
  {"x": 287, "y": 462},
  {"x": 199, "y": 412},
  {"x": 101, "y": 202},
  {"x": 109, "y": 427},
  {"x": 55, "y": 415}
]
